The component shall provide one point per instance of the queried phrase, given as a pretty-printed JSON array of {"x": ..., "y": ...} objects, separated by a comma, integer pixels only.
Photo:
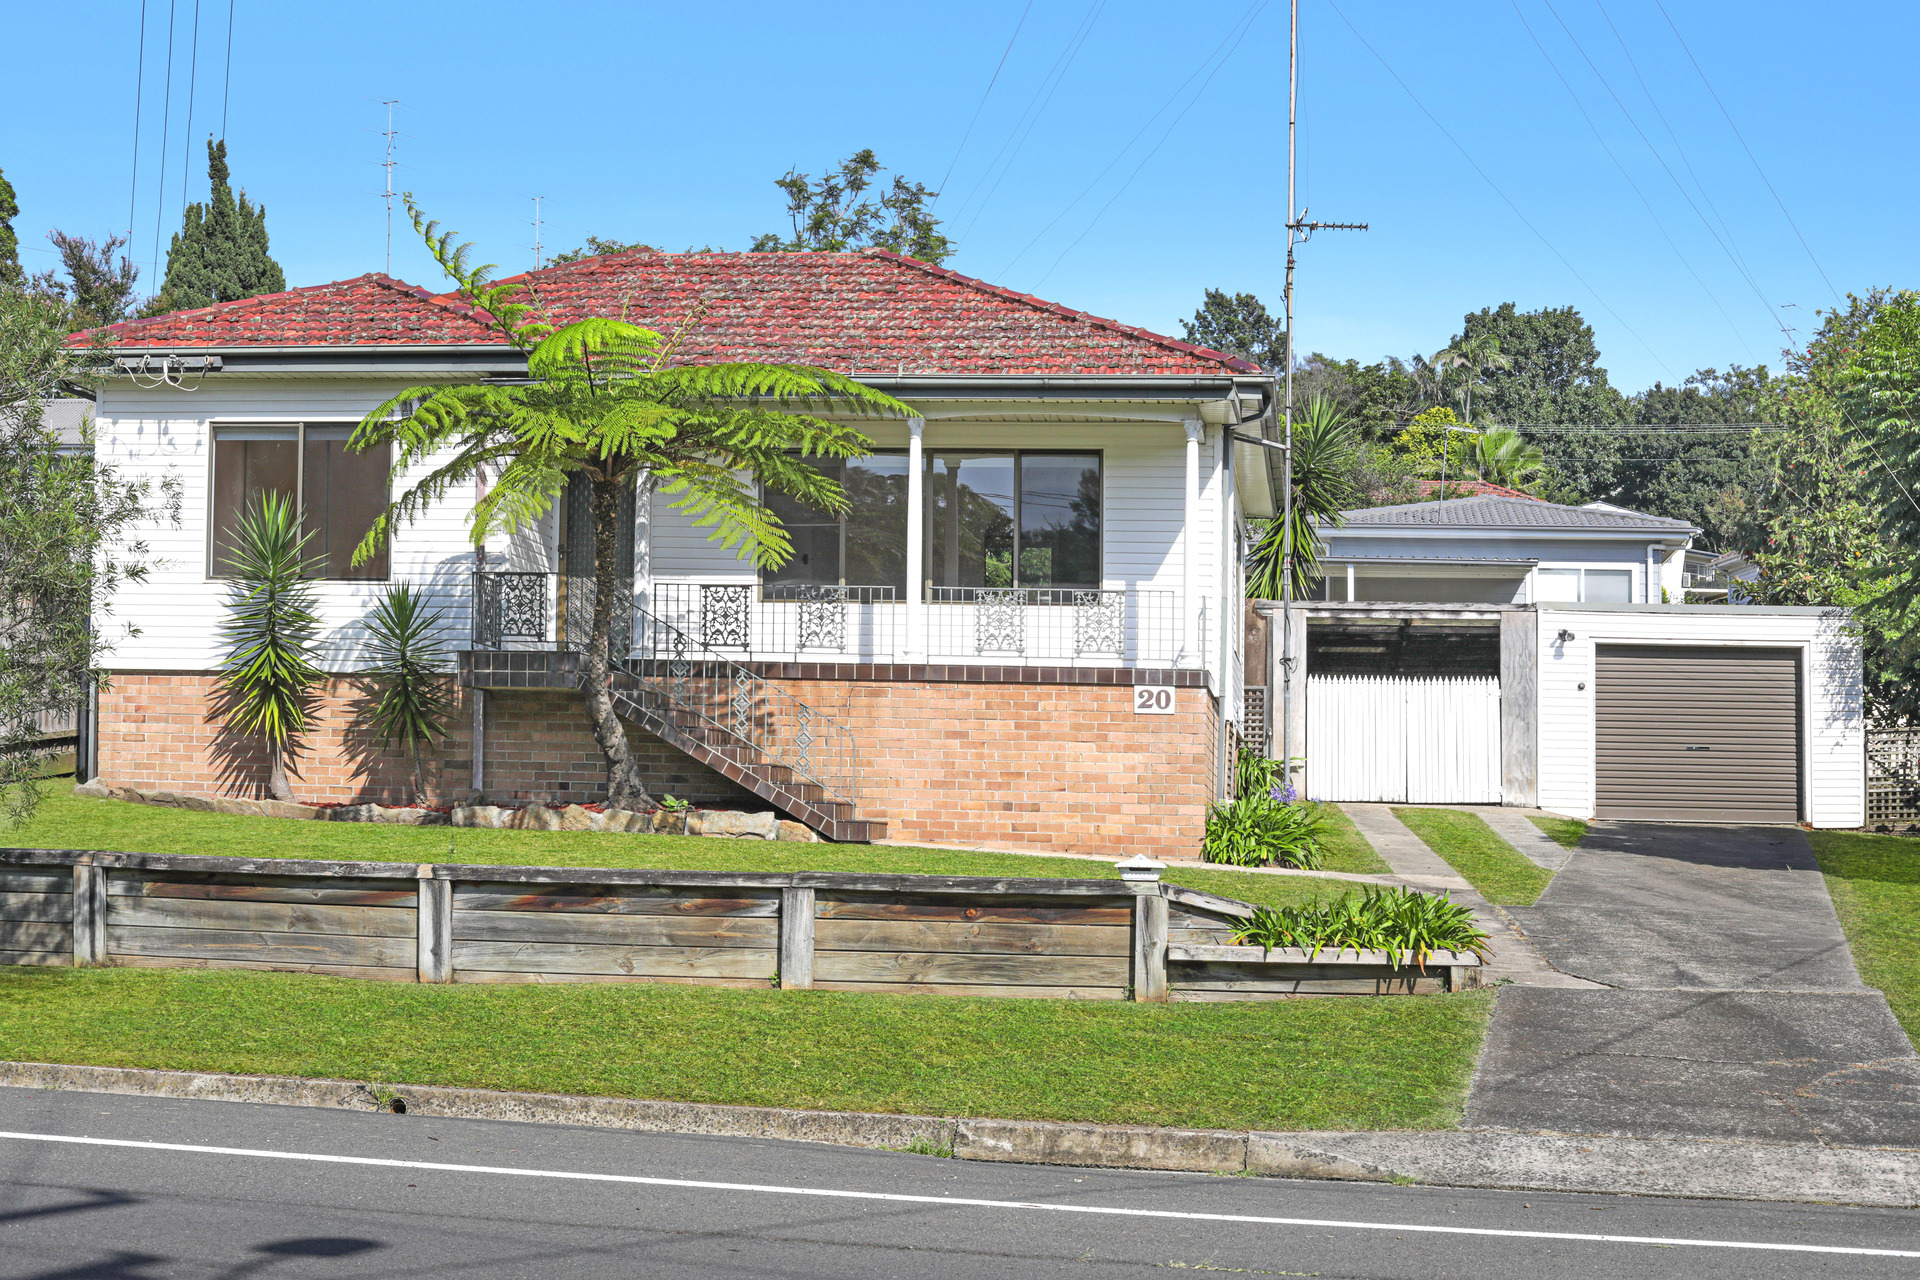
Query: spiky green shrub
[
  {"x": 1258, "y": 831},
  {"x": 271, "y": 630},
  {"x": 1377, "y": 919},
  {"x": 408, "y": 665},
  {"x": 1255, "y": 774}
]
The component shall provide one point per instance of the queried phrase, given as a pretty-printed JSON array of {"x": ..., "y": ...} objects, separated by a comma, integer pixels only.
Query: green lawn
[
  {"x": 1347, "y": 849},
  {"x": 1390, "y": 1062},
  {"x": 1875, "y": 883},
  {"x": 1491, "y": 865},
  {"x": 1565, "y": 832},
  {"x": 67, "y": 821}
]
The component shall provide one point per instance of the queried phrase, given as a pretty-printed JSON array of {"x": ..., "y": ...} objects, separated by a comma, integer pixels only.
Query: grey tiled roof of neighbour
[
  {"x": 63, "y": 417},
  {"x": 1490, "y": 512}
]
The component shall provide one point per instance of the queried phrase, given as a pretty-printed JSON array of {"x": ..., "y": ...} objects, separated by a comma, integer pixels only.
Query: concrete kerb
[{"x": 1493, "y": 1159}]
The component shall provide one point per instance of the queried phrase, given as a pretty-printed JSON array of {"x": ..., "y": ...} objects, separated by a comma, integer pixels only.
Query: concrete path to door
[{"x": 1732, "y": 1007}]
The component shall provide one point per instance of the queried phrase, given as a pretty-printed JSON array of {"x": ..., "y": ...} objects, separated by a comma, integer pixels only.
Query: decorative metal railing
[
  {"x": 510, "y": 607},
  {"x": 754, "y": 722}
]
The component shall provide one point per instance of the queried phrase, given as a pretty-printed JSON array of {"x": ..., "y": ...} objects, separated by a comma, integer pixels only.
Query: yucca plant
[
  {"x": 1258, "y": 831},
  {"x": 407, "y": 664},
  {"x": 1393, "y": 920},
  {"x": 271, "y": 631}
]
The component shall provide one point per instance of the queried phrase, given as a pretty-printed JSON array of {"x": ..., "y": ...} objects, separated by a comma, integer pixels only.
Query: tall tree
[
  {"x": 613, "y": 402},
  {"x": 1502, "y": 456},
  {"x": 98, "y": 290},
  {"x": 1552, "y": 374},
  {"x": 68, "y": 540},
  {"x": 836, "y": 215},
  {"x": 10, "y": 273},
  {"x": 220, "y": 254},
  {"x": 1473, "y": 356},
  {"x": 1240, "y": 325},
  {"x": 1378, "y": 397},
  {"x": 1714, "y": 479}
]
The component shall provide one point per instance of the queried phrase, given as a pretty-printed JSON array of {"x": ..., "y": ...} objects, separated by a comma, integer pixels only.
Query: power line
[
  {"x": 1601, "y": 139},
  {"x": 227, "y": 84},
  {"x": 193, "y": 80},
  {"x": 983, "y": 100},
  {"x": 1507, "y": 200},
  {"x": 139, "y": 88},
  {"x": 1749, "y": 150},
  {"x": 166, "y": 115}
]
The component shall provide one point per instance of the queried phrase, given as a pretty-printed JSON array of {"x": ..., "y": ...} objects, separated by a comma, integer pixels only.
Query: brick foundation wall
[
  {"x": 1056, "y": 766},
  {"x": 540, "y": 747}
]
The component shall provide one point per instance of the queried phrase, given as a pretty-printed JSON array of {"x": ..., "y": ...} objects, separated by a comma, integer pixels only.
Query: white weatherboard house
[
  {"x": 1027, "y": 630},
  {"x": 1501, "y": 650}
]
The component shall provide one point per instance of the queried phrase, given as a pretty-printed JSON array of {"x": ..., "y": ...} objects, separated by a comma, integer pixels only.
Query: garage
[{"x": 1702, "y": 733}]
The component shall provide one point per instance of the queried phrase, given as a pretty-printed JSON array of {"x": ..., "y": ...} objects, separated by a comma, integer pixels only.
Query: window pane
[
  {"x": 1558, "y": 585},
  {"x": 815, "y": 535},
  {"x": 1059, "y": 520},
  {"x": 970, "y": 509},
  {"x": 1609, "y": 586},
  {"x": 247, "y": 465},
  {"x": 345, "y": 494},
  {"x": 877, "y": 522}
]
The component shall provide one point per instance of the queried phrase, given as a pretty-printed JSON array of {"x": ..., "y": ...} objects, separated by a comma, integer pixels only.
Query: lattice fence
[{"x": 1893, "y": 777}]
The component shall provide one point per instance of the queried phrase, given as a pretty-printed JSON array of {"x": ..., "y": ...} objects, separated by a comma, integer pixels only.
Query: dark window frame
[{"x": 218, "y": 430}]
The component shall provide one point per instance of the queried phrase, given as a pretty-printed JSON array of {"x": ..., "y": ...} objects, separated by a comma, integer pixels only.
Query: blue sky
[{"x": 1128, "y": 156}]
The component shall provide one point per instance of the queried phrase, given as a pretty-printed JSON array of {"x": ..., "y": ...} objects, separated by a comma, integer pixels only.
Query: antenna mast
[
  {"x": 390, "y": 104},
  {"x": 536, "y": 231},
  {"x": 1299, "y": 231}
]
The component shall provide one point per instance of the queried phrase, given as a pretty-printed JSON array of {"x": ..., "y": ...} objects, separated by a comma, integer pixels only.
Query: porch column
[
  {"x": 916, "y": 646},
  {"x": 1190, "y": 549}
]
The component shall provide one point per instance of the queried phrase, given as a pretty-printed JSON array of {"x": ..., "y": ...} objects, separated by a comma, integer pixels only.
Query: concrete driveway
[{"x": 1732, "y": 1009}]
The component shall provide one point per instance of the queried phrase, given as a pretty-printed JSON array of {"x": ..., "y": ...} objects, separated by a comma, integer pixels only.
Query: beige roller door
[{"x": 1697, "y": 734}]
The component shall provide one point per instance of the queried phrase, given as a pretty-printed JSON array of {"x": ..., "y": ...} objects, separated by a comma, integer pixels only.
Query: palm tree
[
  {"x": 271, "y": 631},
  {"x": 609, "y": 401},
  {"x": 1326, "y": 453},
  {"x": 1474, "y": 356},
  {"x": 1503, "y": 456},
  {"x": 408, "y": 664}
]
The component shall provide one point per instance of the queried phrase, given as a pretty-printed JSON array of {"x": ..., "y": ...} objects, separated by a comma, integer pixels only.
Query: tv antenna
[
  {"x": 1299, "y": 231},
  {"x": 390, "y": 104},
  {"x": 536, "y": 230}
]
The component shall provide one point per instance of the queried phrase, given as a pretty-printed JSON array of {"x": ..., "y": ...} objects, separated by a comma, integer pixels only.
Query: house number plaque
[{"x": 1153, "y": 700}]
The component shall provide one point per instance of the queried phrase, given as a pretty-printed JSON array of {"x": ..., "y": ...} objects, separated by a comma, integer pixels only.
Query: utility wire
[
  {"x": 1749, "y": 150},
  {"x": 1191, "y": 103},
  {"x": 227, "y": 85},
  {"x": 1507, "y": 200},
  {"x": 1036, "y": 107},
  {"x": 139, "y": 88},
  {"x": 193, "y": 80},
  {"x": 1660, "y": 226},
  {"x": 166, "y": 113},
  {"x": 998, "y": 67},
  {"x": 1120, "y": 155},
  {"x": 1738, "y": 264}
]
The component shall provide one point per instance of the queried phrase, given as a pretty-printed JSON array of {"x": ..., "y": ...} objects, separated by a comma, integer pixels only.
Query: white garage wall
[{"x": 1834, "y": 745}]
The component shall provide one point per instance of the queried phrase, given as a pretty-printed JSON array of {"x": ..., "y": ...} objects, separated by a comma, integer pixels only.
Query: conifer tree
[
  {"x": 220, "y": 252},
  {"x": 9, "y": 242}
]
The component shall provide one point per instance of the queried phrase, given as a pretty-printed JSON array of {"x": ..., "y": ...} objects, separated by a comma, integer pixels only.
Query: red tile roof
[
  {"x": 866, "y": 313},
  {"x": 369, "y": 310},
  {"x": 1472, "y": 488}
]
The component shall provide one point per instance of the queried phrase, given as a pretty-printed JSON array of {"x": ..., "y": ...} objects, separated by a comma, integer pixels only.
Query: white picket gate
[{"x": 1403, "y": 740}]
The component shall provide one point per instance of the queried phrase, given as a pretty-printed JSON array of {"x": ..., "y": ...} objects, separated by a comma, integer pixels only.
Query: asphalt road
[{"x": 140, "y": 1188}]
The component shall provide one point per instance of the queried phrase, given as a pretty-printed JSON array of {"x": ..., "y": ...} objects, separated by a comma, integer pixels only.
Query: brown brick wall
[{"x": 1056, "y": 766}]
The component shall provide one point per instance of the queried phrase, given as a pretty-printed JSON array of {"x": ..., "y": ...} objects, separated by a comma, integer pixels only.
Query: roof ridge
[
  {"x": 1236, "y": 363},
  {"x": 379, "y": 278}
]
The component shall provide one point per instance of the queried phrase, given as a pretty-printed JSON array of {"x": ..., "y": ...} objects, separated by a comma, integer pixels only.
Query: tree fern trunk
[{"x": 625, "y": 789}]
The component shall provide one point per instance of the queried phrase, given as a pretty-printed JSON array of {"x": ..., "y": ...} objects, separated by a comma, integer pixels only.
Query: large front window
[
  {"x": 339, "y": 493},
  {"x": 993, "y": 519}
]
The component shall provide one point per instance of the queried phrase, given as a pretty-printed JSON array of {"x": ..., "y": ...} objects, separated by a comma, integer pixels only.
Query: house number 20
[{"x": 1153, "y": 700}]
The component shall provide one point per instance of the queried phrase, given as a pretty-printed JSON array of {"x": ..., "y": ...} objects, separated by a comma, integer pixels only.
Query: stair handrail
[{"x": 726, "y": 695}]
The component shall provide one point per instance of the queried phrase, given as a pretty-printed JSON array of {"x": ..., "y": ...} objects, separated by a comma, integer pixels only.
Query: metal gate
[{"x": 1403, "y": 740}]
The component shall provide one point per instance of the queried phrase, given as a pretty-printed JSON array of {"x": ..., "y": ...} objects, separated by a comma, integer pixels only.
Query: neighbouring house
[
  {"x": 1502, "y": 650},
  {"x": 1026, "y": 631}
]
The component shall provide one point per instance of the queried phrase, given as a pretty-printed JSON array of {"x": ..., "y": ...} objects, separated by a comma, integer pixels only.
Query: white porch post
[
  {"x": 916, "y": 647},
  {"x": 1190, "y": 548}
]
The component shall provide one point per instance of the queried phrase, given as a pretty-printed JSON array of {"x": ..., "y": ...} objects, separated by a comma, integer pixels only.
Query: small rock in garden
[
  {"x": 579, "y": 818},
  {"x": 409, "y": 817},
  {"x": 670, "y": 822},
  {"x": 797, "y": 831},
  {"x": 354, "y": 813},
  {"x": 95, "y": 790},
  {"x": 480, "y": 815},
  {"x": 535, "y": 817},
  {"x": 726, "y": 822},
  {"x": 283, "y": 809},
  {"x": 237, "y": 805}
]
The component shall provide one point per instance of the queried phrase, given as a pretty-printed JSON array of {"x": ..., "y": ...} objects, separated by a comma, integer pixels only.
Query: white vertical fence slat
[{"x": 1375, "y": 739}]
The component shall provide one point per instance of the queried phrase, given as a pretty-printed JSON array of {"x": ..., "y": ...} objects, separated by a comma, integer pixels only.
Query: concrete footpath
[{"x": 1512, "y": 1161}]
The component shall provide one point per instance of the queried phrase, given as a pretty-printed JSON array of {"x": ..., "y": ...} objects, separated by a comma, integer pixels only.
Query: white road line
[{"x": 952, "y": 1201}]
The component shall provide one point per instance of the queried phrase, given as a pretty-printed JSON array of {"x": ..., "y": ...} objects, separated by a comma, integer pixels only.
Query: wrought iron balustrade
[{"x": 510, "y": 607}]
